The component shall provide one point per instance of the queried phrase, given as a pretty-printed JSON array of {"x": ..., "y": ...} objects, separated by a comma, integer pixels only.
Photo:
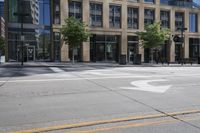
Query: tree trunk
[
  {"x": 73, "y": 55},
  {"x": 151, "y": 55}
]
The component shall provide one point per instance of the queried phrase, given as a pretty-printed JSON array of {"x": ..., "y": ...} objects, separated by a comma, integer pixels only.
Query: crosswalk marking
[{"x": 57, "y": 70}]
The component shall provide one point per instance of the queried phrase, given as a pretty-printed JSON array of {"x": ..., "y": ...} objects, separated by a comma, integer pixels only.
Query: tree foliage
[
  {"x": 153, "y": 36},
  {"x": 2, "y": 45},
  {"x": 74, "y": 32}
]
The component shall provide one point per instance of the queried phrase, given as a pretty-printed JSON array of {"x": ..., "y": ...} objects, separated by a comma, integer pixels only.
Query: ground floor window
[
  {"x": 57, "y": 48},
  {"x": 133, "y": 48},
  {"x": 178, "y": 52},
  {"x": 36, "y": 47},
  {"x": 104, "y": 48},
  {"x": 77, "y": 53},
  {"x": 160, "y": 54},
  {"x": 194, "y": 45}
]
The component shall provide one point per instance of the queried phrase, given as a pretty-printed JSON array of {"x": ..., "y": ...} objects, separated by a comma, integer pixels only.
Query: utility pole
[{"x": 21, "y": 16}]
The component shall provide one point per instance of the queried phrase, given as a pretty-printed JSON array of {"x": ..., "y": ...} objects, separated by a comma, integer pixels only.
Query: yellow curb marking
[
  {"x": 155, "y": 123},
  {"x": 93, "y": 123}
]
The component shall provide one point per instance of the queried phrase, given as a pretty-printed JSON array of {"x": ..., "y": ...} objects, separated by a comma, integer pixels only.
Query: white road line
[
  {"x": 57, "y": 70},
  {"x": 71, "y": 79}
]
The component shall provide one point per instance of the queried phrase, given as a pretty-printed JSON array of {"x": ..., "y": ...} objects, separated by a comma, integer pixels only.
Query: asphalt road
[{"x": 100, "y": 99}]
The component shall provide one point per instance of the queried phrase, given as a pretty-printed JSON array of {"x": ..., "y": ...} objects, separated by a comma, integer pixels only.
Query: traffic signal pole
[{"x": 182, "y": 29}]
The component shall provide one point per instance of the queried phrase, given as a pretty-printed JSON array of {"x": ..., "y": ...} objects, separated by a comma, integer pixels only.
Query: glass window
[
  {"x": 165, "y": 19},
  {"x": 179, "y": 20},
  {"x": 133, "y": 0},
  {"x": 56, "y": 12},
  {"x": 194, "y": 47},
  {"x": 37, "y": 33},
  {"x": 75, "y": 9},
  {"x": 193, "y": 22},
  {"x": 149, "y": 1},
  {"x": 115, "y": 16},
  {"x": 96, "y": 14},
  {"x": 149, "y": 16},
  {"x": 57, "y": 47},
  {"x": 164, "y": 1},
  {"x": 133, "y": 18},
  {"x": 104, "y": 48},
  {"x": 1, "y": 8}
]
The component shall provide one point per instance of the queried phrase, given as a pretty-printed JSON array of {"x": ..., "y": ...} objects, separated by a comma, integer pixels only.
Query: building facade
[
  {"x": 2, "y": 27},
  {"x": 112, "y": 23},
  {"x": 2, "y": 20}
]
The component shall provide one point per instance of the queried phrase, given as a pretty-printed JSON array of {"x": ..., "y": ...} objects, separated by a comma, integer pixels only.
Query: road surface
[{"x": 100, "y": 99}]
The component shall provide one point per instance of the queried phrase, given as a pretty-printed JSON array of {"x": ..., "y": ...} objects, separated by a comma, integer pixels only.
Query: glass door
[
  {"x": 131, "y": 53},
  {"x": 110, "y": 52},
  {"x": 100, "y": 54},
  {"x": 178, "y": 49},
  {"x": 30, "y": 53}
]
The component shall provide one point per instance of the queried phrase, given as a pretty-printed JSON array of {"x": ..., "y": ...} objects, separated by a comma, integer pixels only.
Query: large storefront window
[
  {"x": 194, "y": 47},
  {"x": 104, "y": 48},
  {"x": 36, "y": 30}
]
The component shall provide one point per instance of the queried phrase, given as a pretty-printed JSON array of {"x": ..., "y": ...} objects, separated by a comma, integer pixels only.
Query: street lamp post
[
  {"x": 182, "y": 29},
  {"x": 21, "y": 15}
]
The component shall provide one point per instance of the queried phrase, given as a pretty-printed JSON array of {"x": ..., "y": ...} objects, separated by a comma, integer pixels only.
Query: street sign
[{"x": 177, "y": 39}]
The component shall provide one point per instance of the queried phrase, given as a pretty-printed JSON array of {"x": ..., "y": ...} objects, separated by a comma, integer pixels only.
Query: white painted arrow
[{"x": 143, "y": 85}]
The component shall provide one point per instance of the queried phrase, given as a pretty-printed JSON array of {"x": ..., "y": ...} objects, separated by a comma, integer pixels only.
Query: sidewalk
[{"x": 80, "y": 64}]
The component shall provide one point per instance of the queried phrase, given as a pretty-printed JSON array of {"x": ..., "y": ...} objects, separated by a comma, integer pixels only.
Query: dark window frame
[{"x": 133, "y": 19}]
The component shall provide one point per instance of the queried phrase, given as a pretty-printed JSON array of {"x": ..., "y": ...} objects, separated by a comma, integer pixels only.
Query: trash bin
[
  {"x": 198, "y": 60},
  {"x": 122, "y": 60},
  {"x": 138, "y": 59}
]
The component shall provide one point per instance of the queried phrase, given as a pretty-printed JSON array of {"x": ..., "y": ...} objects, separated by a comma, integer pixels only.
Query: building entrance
[
  {"x": 29, "y": 53},
  {"x": 178, "y": 52},
  {"x": 132, "y": 48},
  {"x": 104, "y": 48}
]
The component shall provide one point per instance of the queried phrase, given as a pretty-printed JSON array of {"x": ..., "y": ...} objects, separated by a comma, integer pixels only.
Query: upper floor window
[
  {"x": 179, "y": 20},
  {"x": 75, "y": 9},
  {"x": 56, "y": 12},
  {"x": 149, "y": 16},
  {"x": 164, "y": 1},
  {"x": 149, "y": 1},
  {"x": 193, "y": 22},
  {"x": 96, "y": 15},
  {"x": 115, "y": 16},
  {"x": 165, "y": 19},
  {"x": 133, "y": 0},
  {"x": 133, "y": 18}
]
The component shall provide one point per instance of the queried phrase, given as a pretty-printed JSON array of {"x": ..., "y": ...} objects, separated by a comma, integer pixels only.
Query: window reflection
[{"x": 36, "y": 30}]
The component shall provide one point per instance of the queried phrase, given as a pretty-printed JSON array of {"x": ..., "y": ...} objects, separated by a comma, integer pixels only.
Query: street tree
[
  {"x": 153, "y": 37},
  {"x": 74, "y": 32},
  {"x": 2, "y": 45}
]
